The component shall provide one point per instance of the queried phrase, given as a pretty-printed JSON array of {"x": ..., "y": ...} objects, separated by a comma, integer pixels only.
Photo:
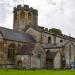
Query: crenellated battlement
[
  {"x": 24, "y": 15},
  {"x": 26, "y": 8}
]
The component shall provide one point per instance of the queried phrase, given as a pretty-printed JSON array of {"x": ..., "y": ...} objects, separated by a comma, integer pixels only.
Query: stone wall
[
  {"x": 69, "y": 54},
  {"x": 40, "y": 55},
  {"x": 45, "y": 38},
  {"x": 25, "y": 61},
  {"x": 33, "y": 61},
  {"x": 35, "y": 34},
  {"x": 57, "y": 61}
]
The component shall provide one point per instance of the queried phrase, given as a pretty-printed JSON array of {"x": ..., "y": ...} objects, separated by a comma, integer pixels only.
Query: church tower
[{"x": 23, "y": 16}]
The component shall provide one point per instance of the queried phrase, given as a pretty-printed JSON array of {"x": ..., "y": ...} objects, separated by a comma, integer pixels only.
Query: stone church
[{"x": 30, "y": 46}]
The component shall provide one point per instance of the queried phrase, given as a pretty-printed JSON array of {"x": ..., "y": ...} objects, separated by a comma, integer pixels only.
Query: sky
[{"x": 52, "y": 13}]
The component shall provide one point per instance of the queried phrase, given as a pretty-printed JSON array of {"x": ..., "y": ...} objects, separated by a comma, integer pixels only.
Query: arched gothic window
[
  {"x": 49, "y": 40},
  {"x": 11, "y": 53}
]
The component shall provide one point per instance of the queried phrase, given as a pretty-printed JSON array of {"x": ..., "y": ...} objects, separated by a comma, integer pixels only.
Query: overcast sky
[{"x": 52, "y": 13}]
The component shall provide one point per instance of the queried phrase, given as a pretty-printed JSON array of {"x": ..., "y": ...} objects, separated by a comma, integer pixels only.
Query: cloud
[
  {"x": 52, "y": 13},
  {"x": 60, "y": 16}
]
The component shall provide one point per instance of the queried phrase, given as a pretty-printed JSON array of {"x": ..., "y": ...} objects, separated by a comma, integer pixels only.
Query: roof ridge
[
  {"x": 10, "y": 34},
  {"x": 13, "y": 30}
]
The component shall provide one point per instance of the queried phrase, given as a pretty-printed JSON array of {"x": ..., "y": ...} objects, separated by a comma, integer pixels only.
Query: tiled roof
[{"x": 16, "y": 36}]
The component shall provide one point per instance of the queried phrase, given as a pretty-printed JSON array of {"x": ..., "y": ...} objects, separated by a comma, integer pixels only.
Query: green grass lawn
[{"x": 37, "y": 72}]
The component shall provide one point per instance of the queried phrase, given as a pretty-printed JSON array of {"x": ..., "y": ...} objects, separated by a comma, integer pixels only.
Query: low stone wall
[{"x": 7, "y": 66}]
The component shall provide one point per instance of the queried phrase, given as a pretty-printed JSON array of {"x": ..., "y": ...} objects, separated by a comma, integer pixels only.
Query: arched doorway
[
  {"x": 11, "y": 53},
  {"x": 49, "y": 60},
  {"x": 29, "y": 16}
]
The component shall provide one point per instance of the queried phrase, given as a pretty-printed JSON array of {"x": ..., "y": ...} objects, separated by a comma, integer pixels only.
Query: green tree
[{"x": 55, "y": 31}]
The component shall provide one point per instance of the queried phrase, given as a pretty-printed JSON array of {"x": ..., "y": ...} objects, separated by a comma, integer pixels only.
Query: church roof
[
  {"x": 10, "y": 34},
  {"x": 25, "y": 49}
]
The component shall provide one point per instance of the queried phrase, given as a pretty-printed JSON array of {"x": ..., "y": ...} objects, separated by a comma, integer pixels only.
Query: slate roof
[
  {"x": 10, "y": 34},
  {"x": 25, "y": 49}
]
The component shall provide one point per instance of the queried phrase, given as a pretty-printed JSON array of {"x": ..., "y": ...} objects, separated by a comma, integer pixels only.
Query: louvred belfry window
[{"x": 22, "y": 15}]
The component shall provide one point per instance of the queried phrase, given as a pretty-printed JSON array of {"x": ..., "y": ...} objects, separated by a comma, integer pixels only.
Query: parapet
[{"x": 26, "y": 8}]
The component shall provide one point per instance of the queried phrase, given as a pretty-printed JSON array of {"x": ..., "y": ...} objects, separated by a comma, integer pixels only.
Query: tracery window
[{"x": 11, "y": 52}]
